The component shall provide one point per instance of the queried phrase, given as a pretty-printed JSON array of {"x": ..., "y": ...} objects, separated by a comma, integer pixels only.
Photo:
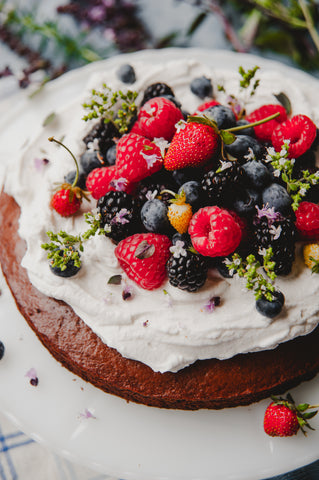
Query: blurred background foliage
[{"x": 53, "y": 37}]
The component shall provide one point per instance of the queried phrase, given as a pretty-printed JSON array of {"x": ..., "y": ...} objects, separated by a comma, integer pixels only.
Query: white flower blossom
[
  {"x": 162, "y": 144},
  {"x": 262, "y": 251},
  {"x": 178, "y": 249},
  {"x": 180, "y": 125},
  {"x": 224, "y": 165},
  {"x": 250, "y": 155},
  {"x": 150, "y": 159},
  {"x": 275, "y": 231}
]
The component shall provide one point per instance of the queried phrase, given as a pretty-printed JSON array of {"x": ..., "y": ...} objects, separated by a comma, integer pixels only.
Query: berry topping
[
  {"x": 307, "y": 220},
  {"x": 143, "y": 257},
  {"x": 157, "y": 119},
  {"x": 299, "y": 130},
  {"x": 186, "y": 270},
  {"x": 244, "y": 146},
  {"x": 223, "y": 116},
  {"x": 192, "y": 146},
  {"x": 202, "y": 87},
  {"x": 118, "y": 214},
  {"x": 270, "y": 308},
  {"x": 214, "y": 232},
  {"x": 157, "y": 90},
  {"x": 98, "y": 181},
  {"x": 137, "y": 158},
  {"x": 275, "y": 195},
  {"x": 154, "y": 216},
  {"x": 311, "y": 256},
  {"x": 180, "y": 213},
  {"x": 264, "y": 132},
  {"x": 65, "y": 201},
  {"x": 126, "y": 73},
  {"x": 2, "y": 350},
  {"x": 70, "y": 266}
]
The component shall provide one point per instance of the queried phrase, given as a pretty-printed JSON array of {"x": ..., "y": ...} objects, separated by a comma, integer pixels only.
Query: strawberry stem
[
  {"x": 254, "y": 124},
  {"x": 52, "y": 139}
]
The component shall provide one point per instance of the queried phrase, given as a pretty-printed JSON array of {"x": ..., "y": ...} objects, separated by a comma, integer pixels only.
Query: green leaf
[
  {"x": 115, "y": 280},
  {"x": 284, "y": 100},
  {"x": 227, "y": 137},
  {"x": 48, "y": 119}
]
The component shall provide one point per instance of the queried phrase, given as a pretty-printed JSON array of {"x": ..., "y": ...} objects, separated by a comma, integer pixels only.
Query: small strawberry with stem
[
  {"x": 68, "y": 198},
  {"x": 283, "y": 418}
]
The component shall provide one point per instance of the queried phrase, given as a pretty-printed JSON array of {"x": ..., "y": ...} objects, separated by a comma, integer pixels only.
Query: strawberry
[
  {"x": 143, "y": 258},
  {"x": 179, "y": 213},
  {"x": 192, "y": 146},
  {"x": 311, "y": 256},
  {"x": 283, "y": 418},
  {"x": 307, "y": 220},
  {"x": 299, "y": 130},
  {"x": 67, "y": 200},
  {"x": 214, "y": 232},
  {"x": 98, "y": 181},
  {"x": 157, "y": 119},
  {"x": 264, "y": 132},
  {"x": 137, "y": 158}
]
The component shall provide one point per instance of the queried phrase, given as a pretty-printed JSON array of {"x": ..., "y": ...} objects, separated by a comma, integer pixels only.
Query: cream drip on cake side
[{"x": 166, "y": 331}]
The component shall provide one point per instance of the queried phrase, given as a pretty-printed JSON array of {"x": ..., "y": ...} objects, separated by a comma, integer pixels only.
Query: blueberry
[
  {"x": 154, "y": 216},
  {"x": 126, "y": 73},
  {"x": 89, "y": 161},
  {"x": 202, "y": 87},
  {"x": 257, "y": 174},
  {"x": 240, "y": 147},
  {"x": 193, "y": 192},
  {"x": 70, "y": 177},
  {"x": 70, "y": 270},
  {"x": 2, "y": 349},
  {"x": 223, "y": 116},
  {"x": 111, "y": 155},
  {"x": 276, "y": 196},
  {"x": 271, "y": 308},
  {"x": 245, "y": 131},
  {"x": 245, "y": 203}
]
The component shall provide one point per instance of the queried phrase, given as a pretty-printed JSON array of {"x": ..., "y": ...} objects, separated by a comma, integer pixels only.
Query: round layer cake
[{"x": 162, "y": 347}]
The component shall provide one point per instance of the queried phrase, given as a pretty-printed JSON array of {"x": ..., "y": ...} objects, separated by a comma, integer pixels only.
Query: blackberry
[
  {"x": 119, "y": 214},
  {"x": 187, "y": 272},
  {"x": 104, "y": 133},
  {"x": 220, "y": 188},
  {"x": 281, "y": 236},
  {"x": 156, "y": 90}
]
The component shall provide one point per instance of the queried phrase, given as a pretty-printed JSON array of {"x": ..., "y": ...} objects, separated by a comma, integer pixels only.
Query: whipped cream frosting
[{"x": 167, "y": 328}]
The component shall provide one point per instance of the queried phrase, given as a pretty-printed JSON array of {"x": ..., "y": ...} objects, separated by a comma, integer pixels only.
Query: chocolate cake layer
[{"x": 215, "y": 384}]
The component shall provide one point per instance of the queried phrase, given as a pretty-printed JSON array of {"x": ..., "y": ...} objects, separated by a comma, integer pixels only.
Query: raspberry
[
  {"x": 137, "y": 158},
  {"x": 98, "y": 181},
  {"x": 214, "y": 232},
  {"x": 157, "y": 119},
  {"x": 264, "y": 132},
  {"x": 300, "y": 130},
  {"x": 307, "y": 220},
  {"x": 143, "y": 257}
]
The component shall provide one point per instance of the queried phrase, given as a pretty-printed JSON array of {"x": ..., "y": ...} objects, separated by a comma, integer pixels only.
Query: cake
[{"x": 164, "y": 346}]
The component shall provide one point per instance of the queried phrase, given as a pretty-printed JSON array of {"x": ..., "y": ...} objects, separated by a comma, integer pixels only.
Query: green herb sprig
[
  {"x": 247, "y": 77},
  {"x": 104, "y": 103},
  {"x": 64, "y": 247},
  {"x": 250, "y": 269},
  {"x": 283, "y": 167}
]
